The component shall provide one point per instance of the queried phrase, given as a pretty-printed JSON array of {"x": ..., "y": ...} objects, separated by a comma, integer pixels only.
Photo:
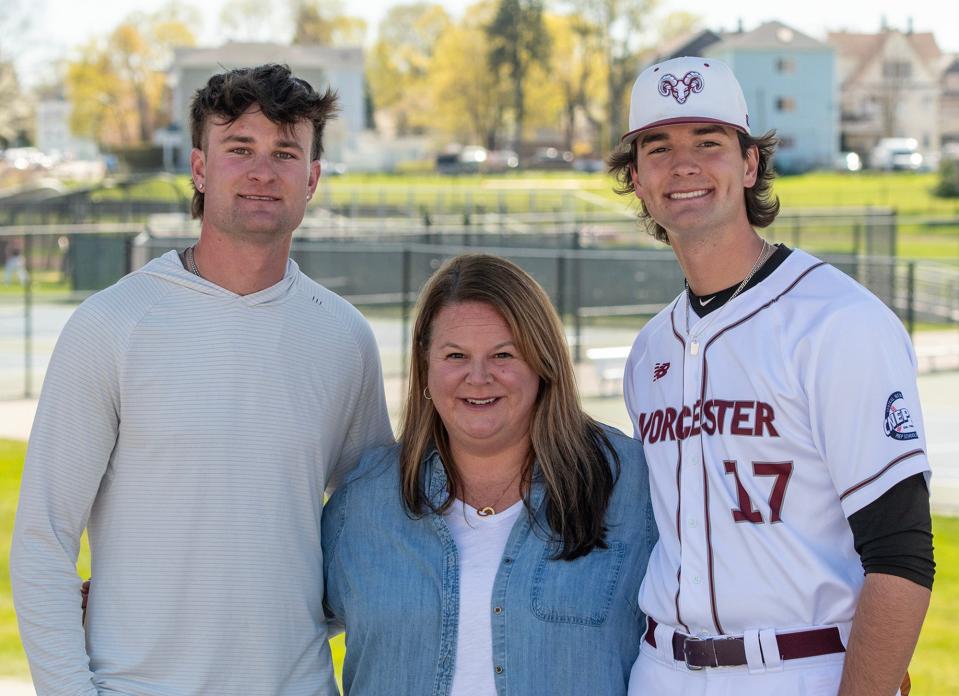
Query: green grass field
[
  {"x": 922, "y": 215},
  {"x": 935, "y": 670},
  {"x": 908, "y": 192}
]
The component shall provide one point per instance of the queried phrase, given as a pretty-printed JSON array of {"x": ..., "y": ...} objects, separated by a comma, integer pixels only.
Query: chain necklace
[
  {"x": 491, "y": 509},
  {"x": 191, "y": 261},
  {"x": 760, "y": 260}
]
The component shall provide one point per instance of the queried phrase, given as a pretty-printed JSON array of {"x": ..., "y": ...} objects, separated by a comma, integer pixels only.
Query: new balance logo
[{"x": 660, "y": 370}]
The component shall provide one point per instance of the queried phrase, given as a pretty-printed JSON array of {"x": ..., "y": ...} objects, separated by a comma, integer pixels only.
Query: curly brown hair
[
  {"x": 283, "y": 98},
  {"x": 762, "y": 206}
]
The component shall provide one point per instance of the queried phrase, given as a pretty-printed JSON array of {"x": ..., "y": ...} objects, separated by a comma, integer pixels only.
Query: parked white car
[{"x": 896, "y": 154}]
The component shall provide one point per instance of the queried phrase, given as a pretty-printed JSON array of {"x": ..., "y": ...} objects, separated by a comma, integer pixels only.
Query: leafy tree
[
  {"x": 621, "y": 24},
  {"x": 15, "y": 37},
  {"x": 99, "y": 100},
  {"x": 518, "y": 40},
  {"x": 399, "y": 63},
  {"x": 116, "y": 84},
  {"x": 577, "y": 70},
  {"x": 469, "y": 100},
  {"x": 948, "y": 185},
  {"x": 324, "y": 22},
  {"x": 15, "y": 108}
]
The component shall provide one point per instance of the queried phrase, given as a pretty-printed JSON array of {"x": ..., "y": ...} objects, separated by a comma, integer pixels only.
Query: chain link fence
[{"x": 603, "y": 288}]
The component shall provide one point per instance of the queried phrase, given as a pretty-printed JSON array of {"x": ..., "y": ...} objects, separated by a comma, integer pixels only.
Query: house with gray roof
[{"x": 321, "y": 66}]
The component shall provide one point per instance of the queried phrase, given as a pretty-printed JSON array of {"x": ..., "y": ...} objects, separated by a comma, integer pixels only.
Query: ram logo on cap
[{"x": 681, "y": 89}]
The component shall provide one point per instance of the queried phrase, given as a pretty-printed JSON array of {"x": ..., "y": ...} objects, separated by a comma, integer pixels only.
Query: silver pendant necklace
[{"x": 760, "y": 260}]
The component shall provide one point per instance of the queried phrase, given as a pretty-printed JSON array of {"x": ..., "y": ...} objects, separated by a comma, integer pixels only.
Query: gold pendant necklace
[{"x": 490, "y": 510}]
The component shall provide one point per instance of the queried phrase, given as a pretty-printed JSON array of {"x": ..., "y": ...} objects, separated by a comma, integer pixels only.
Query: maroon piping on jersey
[
  {"x": 900, "y": 458},
  {"x": 702, "y": 396},
  {"x": 672, "y": 322},
  {"x": 679, "y": 466}
]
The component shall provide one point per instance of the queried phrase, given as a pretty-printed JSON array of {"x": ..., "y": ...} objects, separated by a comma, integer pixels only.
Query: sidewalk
[
  {"x": 15, "y": 687},
  {"x": 16, "y": 417}
]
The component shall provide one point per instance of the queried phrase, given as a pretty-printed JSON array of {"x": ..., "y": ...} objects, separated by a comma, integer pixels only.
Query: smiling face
[
  {"x": 257, "y": 175},
  {"x": 481, "y": 387},
  {"x": 691, "y": 178}
]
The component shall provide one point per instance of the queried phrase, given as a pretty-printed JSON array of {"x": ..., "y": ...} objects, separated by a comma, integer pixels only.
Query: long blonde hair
[{"x": 568, "y": 448}]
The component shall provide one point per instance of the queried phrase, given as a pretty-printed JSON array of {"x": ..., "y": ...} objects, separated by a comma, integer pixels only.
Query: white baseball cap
[{"x": 686, "y": 90}]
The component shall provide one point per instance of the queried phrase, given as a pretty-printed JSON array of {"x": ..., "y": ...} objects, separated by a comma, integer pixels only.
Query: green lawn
[
  {"x": 46, "y": 285},
  {"x": 12, "y": 660},
  {"x": 935, "y": 670},
  {"x": 921, "y": 214},
  {"x": 908, "y": 192}
]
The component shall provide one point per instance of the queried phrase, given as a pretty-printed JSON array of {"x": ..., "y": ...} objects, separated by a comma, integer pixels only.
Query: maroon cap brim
[{"x": 631, "y": 135}]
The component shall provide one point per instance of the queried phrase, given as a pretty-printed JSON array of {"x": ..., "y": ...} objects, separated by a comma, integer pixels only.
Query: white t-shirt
[{"x": 480, "y": 542}]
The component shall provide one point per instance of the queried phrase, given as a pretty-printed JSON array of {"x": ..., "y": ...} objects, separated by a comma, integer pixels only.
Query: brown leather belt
[{"x": 699, "y": 653}]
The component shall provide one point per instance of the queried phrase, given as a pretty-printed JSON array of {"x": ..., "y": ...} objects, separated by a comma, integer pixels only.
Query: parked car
[
  {"x": 475, "y": 159},
  {"x": 465, "y": 160},
  {"x": 551, "y": 158},
  {"x": 848, "y": 162},
  {"x": 501, "y": 161},
  {"x": 896, "y": 154}
]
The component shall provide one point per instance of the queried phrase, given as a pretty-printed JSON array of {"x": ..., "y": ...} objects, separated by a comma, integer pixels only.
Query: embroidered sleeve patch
[{"x": 898, "y": 423}]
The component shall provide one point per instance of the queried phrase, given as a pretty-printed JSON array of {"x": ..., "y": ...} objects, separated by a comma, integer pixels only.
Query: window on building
[
  {"x": 785, "y": 65},
  {"x": 897, "y": 70},
  {"x": 785, "y": 104}
]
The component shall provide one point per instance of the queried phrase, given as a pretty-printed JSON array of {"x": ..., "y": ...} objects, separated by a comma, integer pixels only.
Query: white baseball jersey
[{"x": 766, "y": 425}]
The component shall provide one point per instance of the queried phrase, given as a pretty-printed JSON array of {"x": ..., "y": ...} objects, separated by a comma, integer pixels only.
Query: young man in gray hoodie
[{"x": 192, "y": 418}]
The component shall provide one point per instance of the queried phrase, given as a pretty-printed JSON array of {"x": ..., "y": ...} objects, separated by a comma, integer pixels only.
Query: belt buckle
[{"x": 686, "y": 643}]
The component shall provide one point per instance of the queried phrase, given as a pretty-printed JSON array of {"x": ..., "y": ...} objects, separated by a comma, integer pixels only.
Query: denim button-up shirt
[{"x": 559, "y": 627}]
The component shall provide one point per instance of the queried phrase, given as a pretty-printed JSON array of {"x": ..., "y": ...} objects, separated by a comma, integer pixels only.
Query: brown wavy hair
[
  {"x": 762, "y": 205},
  {"x": 569, "y": 450},
  {"x": 283, "y": 98}
]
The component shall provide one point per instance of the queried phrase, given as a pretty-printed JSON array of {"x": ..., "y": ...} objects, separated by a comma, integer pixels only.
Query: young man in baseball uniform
[
  {"x": 191, "y": 419},
  {"x": 776, "y": 400}
]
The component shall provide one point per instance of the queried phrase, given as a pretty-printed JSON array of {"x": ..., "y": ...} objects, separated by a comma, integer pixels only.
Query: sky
[{"x": 57, "y": 26}]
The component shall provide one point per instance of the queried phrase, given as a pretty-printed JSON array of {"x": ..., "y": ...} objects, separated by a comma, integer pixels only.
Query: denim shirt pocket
[{"x": 579, "y": 591}]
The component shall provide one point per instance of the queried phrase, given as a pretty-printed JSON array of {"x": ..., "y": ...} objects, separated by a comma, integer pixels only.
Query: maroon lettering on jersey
[
  {"x": 645, "y": 421},
  {"x": 764, "y": 420},
  {"x": 742, "y": 410},
  {"x": 716, "y": 416},
  {"x": 656, "y": 424},
  {"x": 682, "y": 430},
  {"x": 668, "y": 422},
  {"x": 709, "y": 418},
  {"x": 696, "y": 416},
  {"x": 722, "y": 405}
]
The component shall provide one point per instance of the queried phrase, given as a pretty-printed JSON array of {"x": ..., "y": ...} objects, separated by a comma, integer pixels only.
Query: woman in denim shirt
[{"x": 500, "y": 546}]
